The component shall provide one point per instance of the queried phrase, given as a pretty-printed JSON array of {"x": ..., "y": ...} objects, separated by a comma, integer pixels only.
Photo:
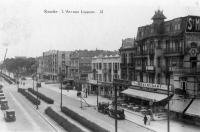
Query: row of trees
[{"x": 23, "y": 66}]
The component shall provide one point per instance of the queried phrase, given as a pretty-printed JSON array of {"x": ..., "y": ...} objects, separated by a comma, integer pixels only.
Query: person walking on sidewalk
[
  {"x": 145, "y": 120},
  {"x": 148, "y": 119}
]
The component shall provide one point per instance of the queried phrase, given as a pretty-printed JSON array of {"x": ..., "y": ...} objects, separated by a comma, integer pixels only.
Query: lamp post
[
  {"x": 115, "y": 87},
  {"x": 168, "y": 112},
  {"x": 37, "y": 89},
  {"x": 33, "y": 82},
  {"x": 61, "y": 78},
  {"x": 17, "y": 80},
  {"x": 95, "y": 71}
]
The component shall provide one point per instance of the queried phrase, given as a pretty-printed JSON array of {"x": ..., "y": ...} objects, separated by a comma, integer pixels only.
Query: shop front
[{"x": 141, "y": 97}]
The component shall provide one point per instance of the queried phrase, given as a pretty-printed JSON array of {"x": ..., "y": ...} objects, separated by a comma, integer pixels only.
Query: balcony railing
[
  {"x": 138, "y": 67},
  {"x": 173, "y": 51},
  {"x": 187, "y": 70},
  {"x": 123, "y": 65},
  {"x": 131, "y": 65},
  {"x": 150, "y": 68}
]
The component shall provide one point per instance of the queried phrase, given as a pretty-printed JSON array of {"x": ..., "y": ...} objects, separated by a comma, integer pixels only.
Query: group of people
[{"x": 147, "y": 119}]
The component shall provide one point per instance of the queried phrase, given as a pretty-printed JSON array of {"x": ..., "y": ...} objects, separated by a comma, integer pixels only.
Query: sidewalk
[{"x": 158, "y": 126}]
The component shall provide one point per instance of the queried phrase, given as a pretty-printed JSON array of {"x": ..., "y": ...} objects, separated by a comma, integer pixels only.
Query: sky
[{"x": 27, "y": 30}]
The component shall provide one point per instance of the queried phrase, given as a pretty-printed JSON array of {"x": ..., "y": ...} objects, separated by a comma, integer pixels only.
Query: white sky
[{"x": 27, "y": 31}]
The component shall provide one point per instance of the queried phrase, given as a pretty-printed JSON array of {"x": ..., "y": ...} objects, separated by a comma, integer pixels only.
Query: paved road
[
  {"x": 27, "y": 117},
  {"x": 29, "y": 120},
  {"x": 92, "y": 114}
]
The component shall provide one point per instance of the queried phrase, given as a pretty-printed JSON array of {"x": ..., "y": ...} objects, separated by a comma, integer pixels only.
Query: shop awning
[
  {"x": 194, "y": 108},
  {"x": 178, "y": 104},
  {"x": 144, "y": 95}
]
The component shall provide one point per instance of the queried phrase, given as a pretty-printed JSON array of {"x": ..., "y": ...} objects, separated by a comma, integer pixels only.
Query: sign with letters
[
  {"x": 150, "y": 85},
  {"x": 193, "y": 24}
]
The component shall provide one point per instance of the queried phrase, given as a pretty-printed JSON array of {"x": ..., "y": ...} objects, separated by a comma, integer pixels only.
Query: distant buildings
[
  {"x": 104, "y": 69},
  {"x": 55, "y": 62},
  {"x": 80, "y": 65}
]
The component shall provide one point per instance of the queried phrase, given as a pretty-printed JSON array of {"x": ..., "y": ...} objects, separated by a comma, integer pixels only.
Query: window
[
  {"x": 151, "y": 62},
  {"x": 63, "y": 56},
  {"x": 159, "y": 61}
]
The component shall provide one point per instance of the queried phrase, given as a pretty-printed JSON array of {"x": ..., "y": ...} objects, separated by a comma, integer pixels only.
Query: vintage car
[
  {"x": 119, "y": 113},
  {"x": 9, "y": 115},
  {"x": 103, "y": 107},
  {"x": 4, "y": 105},
  {"x": 1, "y": 98},
  {"x": 39, "y": 85}
]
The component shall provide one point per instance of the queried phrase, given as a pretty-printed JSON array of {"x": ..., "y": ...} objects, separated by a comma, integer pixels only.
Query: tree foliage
[{"x": 23, "y": 66}]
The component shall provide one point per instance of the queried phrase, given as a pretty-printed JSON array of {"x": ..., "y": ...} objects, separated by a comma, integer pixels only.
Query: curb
[
  {"x": 138, "y": 123},
  {"x": 142, "y": 126}
]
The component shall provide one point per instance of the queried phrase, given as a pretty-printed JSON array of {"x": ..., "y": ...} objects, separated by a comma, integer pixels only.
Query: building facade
[
  {"x": 104, "y": 70},
  {"x": 55, "y": 62},
  {"x": 80, "y": 66},
  {"x": 166, "y": 53}
]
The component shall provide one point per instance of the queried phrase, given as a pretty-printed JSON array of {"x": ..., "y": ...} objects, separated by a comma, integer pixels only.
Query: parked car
[
  {"x": 4, "y": 105},
  {"x": 9, "y": 115},
  {"x": 38, "y": 84},
  {"x": 103, "y": 107},
  {"x": 23, "y": 78},
  {"x": 119, "y": 114},
  {"x": 1, "y": 98}
]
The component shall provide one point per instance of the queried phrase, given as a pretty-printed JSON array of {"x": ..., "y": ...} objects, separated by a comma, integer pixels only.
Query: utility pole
[
  {"x": 37, "y": 88},
  {"x": 33, "y": 82},
  {"x": 168, "y": 83},
  {"x": 115, "y": 107},
  {"x": 97, "y": 90},
  {"x": 168, "y": 112},
  {"x": 61, "y": 77}
]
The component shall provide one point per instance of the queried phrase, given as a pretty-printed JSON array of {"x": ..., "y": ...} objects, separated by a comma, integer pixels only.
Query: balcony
[
  {"x": 130, "y": 65},
  {"x": 104, "y": 70},
  {"x": 188, "y": 70},
  {"x": 173, "y": 51},
  {"x": 123, "y": 65},
  {"x": 150, "y": 68},
  {"x": 138, "y": 67}
]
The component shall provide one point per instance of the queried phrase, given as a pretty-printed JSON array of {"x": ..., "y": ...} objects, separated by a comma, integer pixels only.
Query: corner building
[{"x": 166, "y": 50}]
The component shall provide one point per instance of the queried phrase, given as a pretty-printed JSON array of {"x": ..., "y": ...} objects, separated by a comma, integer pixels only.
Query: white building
[{"x": 104, "y": 70}]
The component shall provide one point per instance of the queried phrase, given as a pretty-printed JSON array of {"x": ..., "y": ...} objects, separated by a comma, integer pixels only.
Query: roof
[{"x": 158, "y": 15}]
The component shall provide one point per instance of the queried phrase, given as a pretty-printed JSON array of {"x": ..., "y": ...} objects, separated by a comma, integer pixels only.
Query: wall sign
[
  {"x": 193, "y": 24},
  {"x": 193, "y": 52},
  {"x": 151, "y": 85}
]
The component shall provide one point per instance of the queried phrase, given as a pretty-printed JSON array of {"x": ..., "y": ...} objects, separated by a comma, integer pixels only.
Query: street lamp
[
  {"x": 94, "y": 71},
  {"x": 33, "y": 82},
  {"x": 37, "y": 89},
  {"x": 168, "y": 83},
  {"x": 61, "y": 78}
]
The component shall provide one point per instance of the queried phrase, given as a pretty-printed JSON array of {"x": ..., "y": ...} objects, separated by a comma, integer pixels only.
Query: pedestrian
[
  {"x": 148, "y": 119},
  {"x": 145, "y": 120}
]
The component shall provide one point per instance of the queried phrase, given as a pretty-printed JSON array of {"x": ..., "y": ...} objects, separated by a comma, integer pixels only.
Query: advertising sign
[
  {"x": 193, "y": 24},
  {"x": 150, "y": 85}
]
